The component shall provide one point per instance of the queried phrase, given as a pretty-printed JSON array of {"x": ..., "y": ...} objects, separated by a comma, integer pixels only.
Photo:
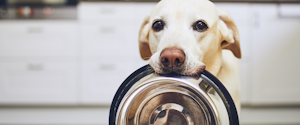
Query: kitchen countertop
[
  {"x": 256, "y": 1},
  {"x": 264, "y": 1}
]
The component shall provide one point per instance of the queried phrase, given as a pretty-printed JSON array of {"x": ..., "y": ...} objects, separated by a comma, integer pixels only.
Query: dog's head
[{"x": 185, "y": 36}]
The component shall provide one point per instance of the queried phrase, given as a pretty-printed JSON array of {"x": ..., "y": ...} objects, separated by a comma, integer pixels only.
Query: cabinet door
[
  {"x": 102, "y": 77},
  {"x": 38, "y": 38},
  {"x": 38, "y": 83},
  {"x": 108, "y": 37},
  {"x": 276, "y": 58},
  {"x": 105, "y": 10}
]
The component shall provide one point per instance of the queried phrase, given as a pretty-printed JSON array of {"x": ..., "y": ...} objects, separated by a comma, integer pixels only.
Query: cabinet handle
[
  {"x": 35, "y": 30},
  {"x": 107, "y": 11},
  {"x": 2, "y": 12},
  {"x": 107, "y": 30},
  {"x": 35, "y": 67},
  {"x": 107, "y": 67},
  {"x": 256, "y": 21},
  {"x": 289, "y": 11}
]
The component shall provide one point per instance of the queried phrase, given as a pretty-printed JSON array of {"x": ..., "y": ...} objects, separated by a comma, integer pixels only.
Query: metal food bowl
[{"x": 147, "y": 98}]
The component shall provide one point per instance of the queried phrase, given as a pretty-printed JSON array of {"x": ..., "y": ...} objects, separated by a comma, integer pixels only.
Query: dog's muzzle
[
  {"x": 146, "y": 98},
  {"x": 172, "y": 59}
]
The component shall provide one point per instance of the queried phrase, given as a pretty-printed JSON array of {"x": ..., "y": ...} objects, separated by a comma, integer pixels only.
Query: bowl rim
[{"x": 147, "y": 70}]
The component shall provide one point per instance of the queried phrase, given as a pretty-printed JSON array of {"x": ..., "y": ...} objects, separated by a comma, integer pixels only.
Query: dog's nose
[{"x": 172, "y": 57}]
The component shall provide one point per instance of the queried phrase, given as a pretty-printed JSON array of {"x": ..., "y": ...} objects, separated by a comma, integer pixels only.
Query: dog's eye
[
  {"x": 158, "y": 25},
  {"x": 200, "y": 26}
]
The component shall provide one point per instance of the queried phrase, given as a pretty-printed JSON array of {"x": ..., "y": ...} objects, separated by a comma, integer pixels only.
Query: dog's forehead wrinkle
[{"x": 175, "y": 40}]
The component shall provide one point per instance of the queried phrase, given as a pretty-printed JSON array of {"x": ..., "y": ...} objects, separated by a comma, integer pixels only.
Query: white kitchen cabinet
[
  {"x": 276, "y": 59},
  {"x": 38, "y": 82},
  {"x": 106, "y": 10},
  {"x": 101, "y": 77},
  {"x": 269, "y": 43},
  {"x": 110, "y": 53},
  {"x": 59, "y": 71},
  {"x": 108, "y": 37},
  {"x": 38, "y": 62},
  {"x": 38, "y": 38},
  {"x": 106, "y": 41},
  {"x": 111, "y": 28}
]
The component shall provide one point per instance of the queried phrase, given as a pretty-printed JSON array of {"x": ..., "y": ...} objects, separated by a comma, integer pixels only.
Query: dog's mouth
[
  {"x": 188, "y": 67},
  {"x": 172, "y": 70},
  {"x": 185, "y": 69}
]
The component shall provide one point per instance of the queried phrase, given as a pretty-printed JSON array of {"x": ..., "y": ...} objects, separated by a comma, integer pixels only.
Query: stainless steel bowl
[{"x": 147, "y": 98}]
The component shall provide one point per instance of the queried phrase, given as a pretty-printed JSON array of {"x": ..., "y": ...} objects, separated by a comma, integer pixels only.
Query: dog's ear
[
  {"x": 230, "y": 34},
  {"x": 145, "y": 51}
]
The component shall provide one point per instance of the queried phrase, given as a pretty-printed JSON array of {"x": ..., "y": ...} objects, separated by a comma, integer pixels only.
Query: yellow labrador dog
[{"x": 188, "y": 36}]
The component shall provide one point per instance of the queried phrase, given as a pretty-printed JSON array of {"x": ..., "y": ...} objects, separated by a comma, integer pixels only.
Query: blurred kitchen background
[{"x": 61, "y": 61}]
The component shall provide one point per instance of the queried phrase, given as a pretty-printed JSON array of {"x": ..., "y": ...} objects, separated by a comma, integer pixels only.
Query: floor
[{"x": 98, "y": 115}]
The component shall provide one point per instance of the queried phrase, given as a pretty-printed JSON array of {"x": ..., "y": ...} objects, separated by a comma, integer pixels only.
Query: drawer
[
  {"x": 289, "y": 10},
  {"x": 38, "y": 83},
  {"x": 109, "y": 38},
  {"x": 105, "y": 10},
  {"x": 36, "y": 38},
  {"x": 103, "y": 76}
]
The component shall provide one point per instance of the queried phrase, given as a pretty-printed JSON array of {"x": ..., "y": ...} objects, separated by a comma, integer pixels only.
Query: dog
[{"x": 189, "y": 36}]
